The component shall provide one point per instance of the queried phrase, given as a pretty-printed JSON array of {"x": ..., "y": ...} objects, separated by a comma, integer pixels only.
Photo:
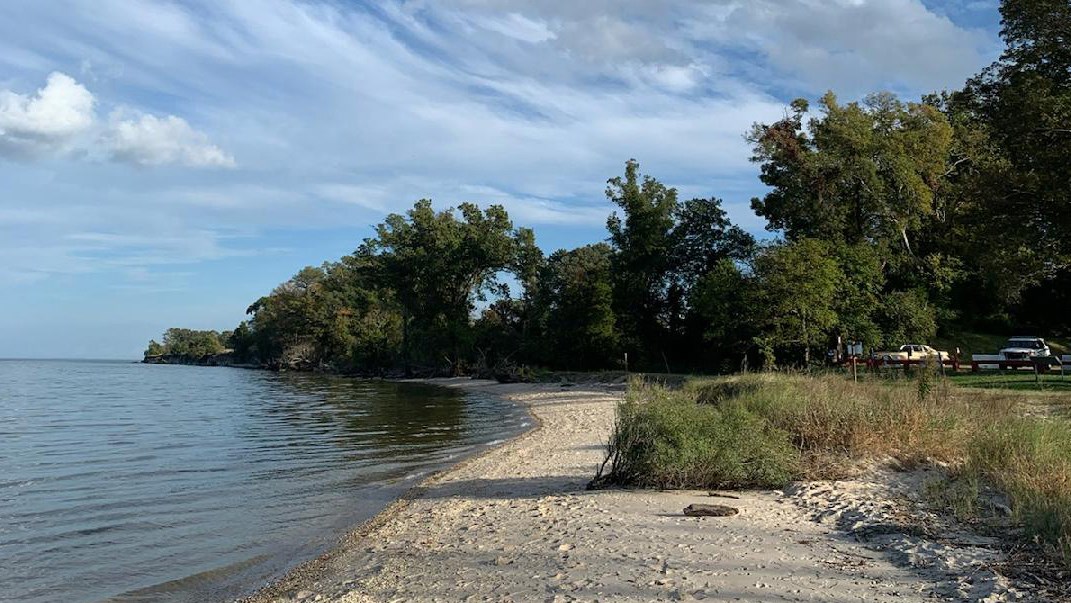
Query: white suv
[{"x": 1025, "y": 348}]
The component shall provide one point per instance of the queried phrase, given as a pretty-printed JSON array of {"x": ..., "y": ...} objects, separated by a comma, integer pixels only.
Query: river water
[{"x": 127, "y": 482}]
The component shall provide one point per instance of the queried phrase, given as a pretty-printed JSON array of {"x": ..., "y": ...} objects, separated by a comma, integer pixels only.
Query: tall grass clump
[
  {"x": 767, "y": 430},
  {"x": 1030, "y": 461},
  {"x": 662, "y": 439},
  {"x": 833, "y": 422}
]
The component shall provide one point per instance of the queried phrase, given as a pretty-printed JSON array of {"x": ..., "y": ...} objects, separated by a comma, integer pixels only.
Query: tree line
[
  {"x": 190, "y": 343},
  {"x": 891, "y": 220}
]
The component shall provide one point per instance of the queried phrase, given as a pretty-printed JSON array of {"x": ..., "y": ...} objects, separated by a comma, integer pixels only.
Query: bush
[{"x": 668, "y": 441}]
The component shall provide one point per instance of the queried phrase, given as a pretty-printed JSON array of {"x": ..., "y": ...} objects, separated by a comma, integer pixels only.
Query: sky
[{"x": 167, "y": 163}]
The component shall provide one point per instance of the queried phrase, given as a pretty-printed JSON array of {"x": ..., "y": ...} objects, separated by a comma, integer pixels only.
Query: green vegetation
[
  {"x": 765, "y": 430},
  {"x": 190, "y": 343},
  {"x": 1030, "y": 460},
  {"x": 897, "y": 222},
  {"x": 665, "y": 440},
  {"x": 1015, "y": 380}
]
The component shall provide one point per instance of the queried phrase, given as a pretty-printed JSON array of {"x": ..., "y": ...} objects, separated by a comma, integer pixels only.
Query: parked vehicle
[
  {"x": 912, "y": 351},
  {"x": 1025, "y": 348}
]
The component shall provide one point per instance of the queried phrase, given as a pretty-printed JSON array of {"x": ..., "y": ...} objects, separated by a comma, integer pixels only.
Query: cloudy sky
[{"x": 166, "y": 163}]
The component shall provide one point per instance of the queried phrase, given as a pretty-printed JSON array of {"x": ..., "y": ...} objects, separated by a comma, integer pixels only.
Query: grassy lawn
[
  {"x": 765, "y": 430},
  {"x": 1014, "y": 380}
]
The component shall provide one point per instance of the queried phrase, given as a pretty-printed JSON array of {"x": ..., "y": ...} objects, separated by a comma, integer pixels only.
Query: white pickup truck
[{"x": 1025, "y": 348}]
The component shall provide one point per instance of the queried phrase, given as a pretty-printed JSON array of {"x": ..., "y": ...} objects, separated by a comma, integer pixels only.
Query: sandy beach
[{"x": 517, "y": 524}]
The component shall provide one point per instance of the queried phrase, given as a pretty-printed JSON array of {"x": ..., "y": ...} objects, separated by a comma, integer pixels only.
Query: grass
[
  {"x": 1030, "y": 461},
  {"x": 1014, "y": 380},
  {"x": 768, "y": 430},
  {"x": 661, "y": 443}
]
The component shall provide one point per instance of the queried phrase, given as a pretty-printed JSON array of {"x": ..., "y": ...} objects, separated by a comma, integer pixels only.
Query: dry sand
[{"x": 516, "y": 524}]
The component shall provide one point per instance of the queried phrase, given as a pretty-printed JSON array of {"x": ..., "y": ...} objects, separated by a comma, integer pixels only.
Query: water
[{"x": 127, "y": 482}]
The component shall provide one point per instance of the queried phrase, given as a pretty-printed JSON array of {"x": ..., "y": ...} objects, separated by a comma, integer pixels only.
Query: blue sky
[{"x": 166, "y": 163}]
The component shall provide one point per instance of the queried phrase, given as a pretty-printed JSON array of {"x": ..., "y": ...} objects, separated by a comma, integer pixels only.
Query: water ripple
[{"x": 129, "y": 483}]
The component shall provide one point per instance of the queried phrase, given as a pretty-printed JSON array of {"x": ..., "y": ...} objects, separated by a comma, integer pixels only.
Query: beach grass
[{"x": 766, "y": 430}]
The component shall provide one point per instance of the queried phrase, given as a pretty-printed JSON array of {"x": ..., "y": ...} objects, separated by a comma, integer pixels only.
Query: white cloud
[
  {"x": 48, "y": 121},
  {"x": 375, "y": 197},
  {"x": 61, "y": 118},
  {"x": 517, "y": 27},
  {"x": 148, "y": 140},
  {"x": 851, "y": 46},
  {"x": 528, "y": 210},
  {"x": 809, "y": 46}
]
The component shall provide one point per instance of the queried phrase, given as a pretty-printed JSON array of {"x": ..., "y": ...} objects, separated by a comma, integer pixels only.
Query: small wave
[{"x": 131, "y": 484}]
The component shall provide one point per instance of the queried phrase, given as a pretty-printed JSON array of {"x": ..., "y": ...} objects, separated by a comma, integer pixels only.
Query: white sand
[{"x": 516, "y": 524}]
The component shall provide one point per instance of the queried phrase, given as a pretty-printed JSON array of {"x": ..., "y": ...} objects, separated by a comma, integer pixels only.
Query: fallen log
[
  {"x": 722, "y": 495},
  {"x": 700, "y": 510}
]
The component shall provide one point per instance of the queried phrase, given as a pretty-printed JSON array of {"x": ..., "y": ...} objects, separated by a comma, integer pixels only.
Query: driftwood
[
  {"x": 722, "y": 495},
  {"x": 699, "y": 510}
]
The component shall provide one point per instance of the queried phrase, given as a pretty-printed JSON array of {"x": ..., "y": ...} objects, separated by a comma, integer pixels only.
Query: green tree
[
  {"x": 335, "y": 316},
  {"x": 366, "y": 318},
  {"x": 155, "y": 348},
  {"x": 243, "y": 343},
  {"x": 288, "y": 322},
  {"x": 438, "y": 264},
  {"x": 642, "y": 244},
  {"x": 576, "y": 295},
  {"x": 796, "y": 298},
  {"x": 721, "y": 315},
  {"x": 1004, "y": 216},
  {"x": 858, "y": 293},
  {"x": 192, "y": 343},
  {"x": 1023, "y": 102},
  {"x": 906, "y": 317},
  {"x": 501, "y": 334},
  {"x": 703, "y": 237},
  {"x": 857, "y": 173}
]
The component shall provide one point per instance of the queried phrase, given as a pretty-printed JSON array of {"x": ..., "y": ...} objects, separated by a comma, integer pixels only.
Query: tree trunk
[{"x": 405, "y": 343}]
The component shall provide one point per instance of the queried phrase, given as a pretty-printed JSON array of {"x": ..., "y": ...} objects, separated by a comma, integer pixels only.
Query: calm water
[{"x": 132, "y": 482}]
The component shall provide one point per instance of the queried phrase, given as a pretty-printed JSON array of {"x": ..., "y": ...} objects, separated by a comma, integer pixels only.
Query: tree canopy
[{"x": 890, "y": 221}]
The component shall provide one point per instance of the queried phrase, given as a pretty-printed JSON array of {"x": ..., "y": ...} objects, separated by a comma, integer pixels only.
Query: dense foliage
[
  {"x": 189, "y": 343},
  {"x": 894, "y": 221}
]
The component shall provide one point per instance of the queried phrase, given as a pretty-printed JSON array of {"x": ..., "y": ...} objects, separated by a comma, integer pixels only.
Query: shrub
[
  {"x": 766, "y": 430},
  {"x": 663, "y": 440}
]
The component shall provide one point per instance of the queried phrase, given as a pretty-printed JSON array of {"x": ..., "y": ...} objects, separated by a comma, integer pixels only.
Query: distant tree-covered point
[
  {"x": 891, "y": 221},
  {"x": 190, "y": 343}
]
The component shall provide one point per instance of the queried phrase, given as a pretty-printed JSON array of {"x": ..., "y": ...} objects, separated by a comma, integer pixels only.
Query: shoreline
[
  {"x": 516, "y": 523},
  {"x": 296, "y": 577}
]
